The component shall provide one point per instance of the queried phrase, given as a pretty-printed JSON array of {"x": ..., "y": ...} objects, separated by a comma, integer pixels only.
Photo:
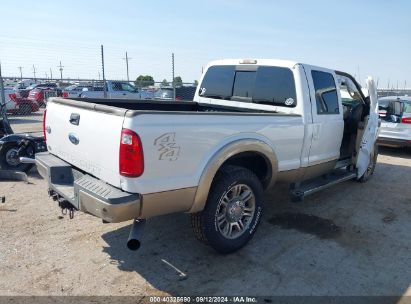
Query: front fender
[{"x": 218, "y": 159}]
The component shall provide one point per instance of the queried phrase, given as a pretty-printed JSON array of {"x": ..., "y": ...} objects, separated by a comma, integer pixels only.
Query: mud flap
[{"x": 371, "y": 131}]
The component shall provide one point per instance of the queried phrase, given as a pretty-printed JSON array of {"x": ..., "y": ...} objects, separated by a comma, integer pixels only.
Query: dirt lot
[
  {"x": 353, "y": 239},
  {"x": 27, "y": 123}
]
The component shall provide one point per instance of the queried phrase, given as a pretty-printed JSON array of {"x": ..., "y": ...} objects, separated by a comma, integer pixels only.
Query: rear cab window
[{"x": 268, "y": 85}]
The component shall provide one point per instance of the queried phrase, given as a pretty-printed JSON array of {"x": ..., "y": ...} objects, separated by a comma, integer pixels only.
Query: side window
[
  {"x": 348, "y": 91},
  {"x": 116, "y": 86},
  {"x": 325, "y": 93},
  {"x": 127, "y": 87},
  {"x": 218, "y": 82},
  {"x": 407, "y": 107}
]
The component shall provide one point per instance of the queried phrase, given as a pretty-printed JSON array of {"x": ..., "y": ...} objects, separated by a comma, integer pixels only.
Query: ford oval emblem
[{"x": 74, "y": 139}]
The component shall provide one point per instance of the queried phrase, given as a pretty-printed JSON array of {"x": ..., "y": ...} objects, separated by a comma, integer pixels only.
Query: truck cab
[
  {"x": 331, "y": 103},
  {"x": 115, "y": 90}
]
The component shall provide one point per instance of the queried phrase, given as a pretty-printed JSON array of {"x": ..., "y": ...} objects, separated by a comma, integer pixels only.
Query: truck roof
[
  {"x": 263, "y": 61},
  {"x": 258, "y": 61}
]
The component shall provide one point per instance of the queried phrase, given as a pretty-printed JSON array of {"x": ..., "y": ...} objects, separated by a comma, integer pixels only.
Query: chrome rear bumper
[{"x": 87, "y": 193}]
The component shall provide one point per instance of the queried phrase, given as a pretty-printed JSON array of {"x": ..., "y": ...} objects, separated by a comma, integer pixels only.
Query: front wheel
[
  {"x": 371, "y": 166},
  {"x": 10, "y": 160},
  {"x": 232, "y": 212}
]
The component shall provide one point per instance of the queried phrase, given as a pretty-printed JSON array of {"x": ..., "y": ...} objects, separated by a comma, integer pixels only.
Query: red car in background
[
  {"x": 24, "y": 105},
  {"x": 39, "y": 94}
]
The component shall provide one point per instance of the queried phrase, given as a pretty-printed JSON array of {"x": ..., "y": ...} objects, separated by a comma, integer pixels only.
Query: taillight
[
  {"x": 406, "y": 120},
  {"x": 65, "y": 94},
  {"x": 131, "y": 162},
  {"x": 44, "y": 124},
  {"x": 40, "y": 96}
]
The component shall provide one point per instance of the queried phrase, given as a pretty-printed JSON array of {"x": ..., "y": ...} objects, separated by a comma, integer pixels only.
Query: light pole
[
  {"x": 61, "y": 70},
  {"x": 172, "y": 67},
  {"x": 127, "y": 59},
  {"x": 21, "y": 72},
  {"x": 34, "y": 72}
]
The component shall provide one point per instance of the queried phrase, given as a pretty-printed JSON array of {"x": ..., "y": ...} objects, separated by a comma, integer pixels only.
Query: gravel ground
[
  {"x": 27, "y": 123},
  {"x": 352, "y": 239}
]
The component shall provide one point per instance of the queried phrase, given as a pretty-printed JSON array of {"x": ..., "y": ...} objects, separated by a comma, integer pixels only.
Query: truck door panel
[{"x": 327, "y": 113}]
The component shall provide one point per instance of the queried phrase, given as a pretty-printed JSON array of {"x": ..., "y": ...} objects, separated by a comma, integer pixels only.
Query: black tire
[
  {"x": 229, "y": 180},
  {"x": 371, "y": 166},
  {"x": 9, "y": 163}
]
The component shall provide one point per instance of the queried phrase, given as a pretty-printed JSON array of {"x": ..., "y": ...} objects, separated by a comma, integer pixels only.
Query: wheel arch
[{"x": 248, "y": 153}]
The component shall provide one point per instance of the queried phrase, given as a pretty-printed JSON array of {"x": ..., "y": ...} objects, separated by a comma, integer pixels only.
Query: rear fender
[{"x": 226, "y": 152}]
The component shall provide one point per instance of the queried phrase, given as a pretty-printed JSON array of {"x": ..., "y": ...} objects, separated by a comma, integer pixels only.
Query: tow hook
[{"x": 66, "y": 207}]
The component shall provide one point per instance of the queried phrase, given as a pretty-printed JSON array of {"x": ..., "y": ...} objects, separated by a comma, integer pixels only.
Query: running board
[{"x": 300, "y": 190}]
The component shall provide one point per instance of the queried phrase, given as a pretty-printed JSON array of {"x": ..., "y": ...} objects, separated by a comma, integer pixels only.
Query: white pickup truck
[
  {"x": 116, "y": 90},
  {"x": 252, "y": 123}
]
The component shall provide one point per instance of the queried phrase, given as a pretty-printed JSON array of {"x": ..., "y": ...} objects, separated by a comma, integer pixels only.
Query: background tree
[
  {"x": 165, "y": 83},
  {"x": 178, "y": 82},
  {"x": 144, "y": 81}
]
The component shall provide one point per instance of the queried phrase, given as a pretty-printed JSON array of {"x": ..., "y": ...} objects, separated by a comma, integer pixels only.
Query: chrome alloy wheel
[
  {"x": 235, "y": 211},
  {"x": 12, "y": 157}
]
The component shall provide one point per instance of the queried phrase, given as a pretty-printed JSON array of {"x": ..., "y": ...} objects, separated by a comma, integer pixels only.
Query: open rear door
[{"x": 371, "y": 131}]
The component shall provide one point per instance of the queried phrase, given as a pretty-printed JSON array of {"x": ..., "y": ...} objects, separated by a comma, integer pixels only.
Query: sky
[{"x": 359, "y": 37}]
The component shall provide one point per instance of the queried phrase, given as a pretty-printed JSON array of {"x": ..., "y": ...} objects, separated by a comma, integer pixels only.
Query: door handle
[{"x": 75, "y": 119}]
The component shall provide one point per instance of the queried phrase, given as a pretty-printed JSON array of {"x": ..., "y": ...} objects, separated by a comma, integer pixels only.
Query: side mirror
[{"x": 367, "y": 100}]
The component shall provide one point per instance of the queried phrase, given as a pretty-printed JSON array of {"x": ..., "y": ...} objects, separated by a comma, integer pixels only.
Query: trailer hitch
[{"x": 66, "y": 207}]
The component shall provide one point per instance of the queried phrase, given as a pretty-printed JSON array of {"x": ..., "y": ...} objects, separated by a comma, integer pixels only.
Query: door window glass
[{"x": 325, "y": 93}]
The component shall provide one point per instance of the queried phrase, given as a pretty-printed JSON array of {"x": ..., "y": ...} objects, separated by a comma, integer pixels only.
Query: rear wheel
[
  {"x": 232, "y": 212},
  {"x": 9, "y": 158},
  {"x": 371, "y": 166}
]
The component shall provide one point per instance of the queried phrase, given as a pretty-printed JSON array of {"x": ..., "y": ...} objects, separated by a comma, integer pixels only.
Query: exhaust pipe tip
[
  {"x": 133, "y": 244},
  {"x": 27, "y": 160},
  {"x": 136, "y": 232}
]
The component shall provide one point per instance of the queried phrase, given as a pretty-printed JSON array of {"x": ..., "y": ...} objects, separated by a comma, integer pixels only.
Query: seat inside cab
[{"x": 355, "y": 110}]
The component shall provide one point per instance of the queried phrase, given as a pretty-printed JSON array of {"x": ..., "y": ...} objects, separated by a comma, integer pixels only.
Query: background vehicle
[
  {"x": 395, "y": 114},
  {"x": 24, "y": 106},
  {"x": 253, "y": 123},
  {"x": 23, "y": 84},
  {"x": 182, "y": 93},
  {"x": 117, "y": 90},
  {"x": 24, "y": 93},
  {"x": 42, "y": 92},
  {"x": 75, "y": 90},
  {"x": 164, "y": 93},
  {"x": 11, "y": 106},
  {"x": 13, "y": 146}
]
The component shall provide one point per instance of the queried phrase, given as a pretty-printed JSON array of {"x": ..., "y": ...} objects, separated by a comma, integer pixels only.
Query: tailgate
[{"x": 87, "y": 136}]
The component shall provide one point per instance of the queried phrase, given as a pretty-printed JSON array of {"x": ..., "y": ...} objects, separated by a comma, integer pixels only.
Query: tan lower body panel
[
  {"x": 305, "y": 173},
  {"x": 166, "y": 202}
]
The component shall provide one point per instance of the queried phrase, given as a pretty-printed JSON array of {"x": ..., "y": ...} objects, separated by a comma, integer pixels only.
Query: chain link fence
[{"x": 25, "y": 100}]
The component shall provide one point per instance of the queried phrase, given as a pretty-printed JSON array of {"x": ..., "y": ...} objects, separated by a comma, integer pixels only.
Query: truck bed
[
  {"x": 138, "y": 105},
  {"x": 178, "y": 138}
]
